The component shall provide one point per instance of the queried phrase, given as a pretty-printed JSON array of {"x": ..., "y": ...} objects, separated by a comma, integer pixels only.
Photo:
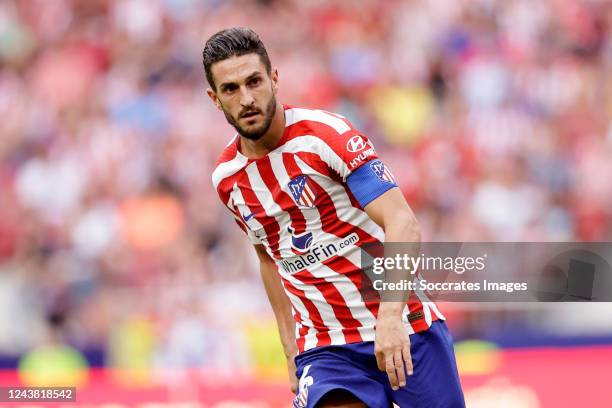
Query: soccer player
[{"x": 308, "y": 190}]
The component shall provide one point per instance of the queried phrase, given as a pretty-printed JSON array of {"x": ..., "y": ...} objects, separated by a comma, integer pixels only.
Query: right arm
[{"x": 282, "y": 309}]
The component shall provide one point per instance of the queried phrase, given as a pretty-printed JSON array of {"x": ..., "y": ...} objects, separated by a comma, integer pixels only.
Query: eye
[
  {"x": 255, "y": 81},
  {"x": 229, "y": 88}
]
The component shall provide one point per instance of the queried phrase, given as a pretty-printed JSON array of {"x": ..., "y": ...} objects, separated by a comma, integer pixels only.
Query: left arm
[
  {"x": 392, "y": 345},
  {"x": 349, "y": 154}
]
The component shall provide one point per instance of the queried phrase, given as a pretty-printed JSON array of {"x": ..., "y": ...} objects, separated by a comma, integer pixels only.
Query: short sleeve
[
  {"x": 255, "y": 240},
  {"x": 346, "y": 151},
  {"x": 345, "y": 148},
  {"x": 250, "y": 234}
]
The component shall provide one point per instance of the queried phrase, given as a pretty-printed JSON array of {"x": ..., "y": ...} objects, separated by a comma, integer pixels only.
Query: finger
[
  {"x": 399, "y": 367},
  {"x": 380, "y": 360},
  {"x": 294, "y": 383},
  {"x": 407, "y": 358},
  {"x": 390, "y": 369}
]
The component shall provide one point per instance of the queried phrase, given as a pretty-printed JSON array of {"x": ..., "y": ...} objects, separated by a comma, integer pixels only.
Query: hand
[
  {"x": 292, "y": 373},
  {"x": 392, "y": 350}
]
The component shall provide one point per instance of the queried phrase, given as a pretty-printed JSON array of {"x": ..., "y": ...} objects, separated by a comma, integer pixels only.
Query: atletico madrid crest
[
  {"x": 381, "y": 171},
  {"x": 303, "y": 191}
]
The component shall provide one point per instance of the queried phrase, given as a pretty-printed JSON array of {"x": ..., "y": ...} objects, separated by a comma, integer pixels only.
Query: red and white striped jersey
[{"x": 296, "y": 203}]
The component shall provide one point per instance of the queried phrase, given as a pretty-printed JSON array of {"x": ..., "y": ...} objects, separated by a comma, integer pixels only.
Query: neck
[{"x": 254, "y": 149}]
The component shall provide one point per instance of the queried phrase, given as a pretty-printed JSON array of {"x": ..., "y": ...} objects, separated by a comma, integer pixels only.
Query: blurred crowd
[{"x": 495, "y": 116}]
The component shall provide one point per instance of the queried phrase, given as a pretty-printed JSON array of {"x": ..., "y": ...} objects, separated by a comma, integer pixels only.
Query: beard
[{"x": 258, "y": 132}]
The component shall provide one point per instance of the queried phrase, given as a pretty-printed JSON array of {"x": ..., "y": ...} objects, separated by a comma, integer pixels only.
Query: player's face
[{"x": 245, "y": 93}]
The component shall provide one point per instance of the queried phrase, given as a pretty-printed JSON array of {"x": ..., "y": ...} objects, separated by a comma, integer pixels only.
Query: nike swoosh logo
[{"x": 248, "y": 217}]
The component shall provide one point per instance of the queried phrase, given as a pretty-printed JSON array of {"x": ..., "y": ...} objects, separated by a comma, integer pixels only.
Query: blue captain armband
[{"x": 369, "y": 181}]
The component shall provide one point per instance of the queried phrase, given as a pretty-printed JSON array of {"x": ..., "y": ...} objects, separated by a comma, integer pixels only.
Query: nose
[{"x": 246, "y": 99}]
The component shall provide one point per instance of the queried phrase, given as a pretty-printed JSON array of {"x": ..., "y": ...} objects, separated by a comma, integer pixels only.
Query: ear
[
  {"x": 274, "y": 78},
  {"x": 213, "y": 97}
]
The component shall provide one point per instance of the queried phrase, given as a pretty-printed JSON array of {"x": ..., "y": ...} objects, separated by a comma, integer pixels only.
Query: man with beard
[{"x": 308, "y": 190}]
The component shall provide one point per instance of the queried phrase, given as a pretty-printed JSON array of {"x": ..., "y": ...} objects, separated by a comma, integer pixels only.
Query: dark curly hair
[{"x": 232, "y": 42}]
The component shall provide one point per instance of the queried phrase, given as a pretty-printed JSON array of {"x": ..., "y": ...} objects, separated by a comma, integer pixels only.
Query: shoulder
[
  {"x": 330, "y": 136},
  {"x": 316, "y": 122},
  {"x": 321, "y": 129},
  {"x": 228, "y": 163}
]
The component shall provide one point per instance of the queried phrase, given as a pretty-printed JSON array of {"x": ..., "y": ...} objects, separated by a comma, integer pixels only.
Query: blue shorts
[{"x": 352, "y": 367}]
